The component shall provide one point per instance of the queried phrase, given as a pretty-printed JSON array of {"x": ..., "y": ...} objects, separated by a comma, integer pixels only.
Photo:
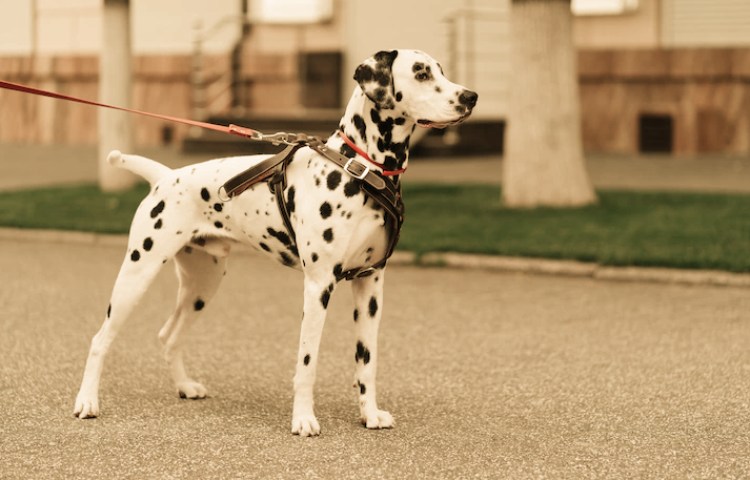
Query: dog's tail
[{"x": 149, "y": 169}]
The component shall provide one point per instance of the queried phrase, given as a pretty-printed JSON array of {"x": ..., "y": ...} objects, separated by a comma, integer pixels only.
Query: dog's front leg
[
  {"x": 317, "y": 295},
  {"x": 368, "y": 301}
]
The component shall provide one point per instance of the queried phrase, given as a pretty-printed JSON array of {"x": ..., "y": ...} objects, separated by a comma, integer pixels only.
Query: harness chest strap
[{"x": 273, "y": 170}]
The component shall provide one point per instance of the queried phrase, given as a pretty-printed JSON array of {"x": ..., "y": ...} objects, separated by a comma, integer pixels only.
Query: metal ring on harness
[{"x": 224, "y": 198}]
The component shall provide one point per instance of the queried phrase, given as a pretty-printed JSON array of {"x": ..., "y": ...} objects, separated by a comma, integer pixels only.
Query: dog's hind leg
[
  {"x": 368, "y": 301},
  {"x": 149, "y": 247},
  {"x": 199, "y": 274},
  {"x": 132, "y": 282}
]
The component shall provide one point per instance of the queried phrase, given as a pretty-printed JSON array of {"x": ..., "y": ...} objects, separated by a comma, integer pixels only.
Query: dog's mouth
[{"x": 430, "y": 124}]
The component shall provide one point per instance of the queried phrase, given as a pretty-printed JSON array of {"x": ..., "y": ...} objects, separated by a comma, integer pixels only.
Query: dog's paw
[
  {"x": 377, "y": 420},
  {"x": 86, "y": 407},
  {"x": 305, "y": 426},
  {"x": 192, "y": 390}
]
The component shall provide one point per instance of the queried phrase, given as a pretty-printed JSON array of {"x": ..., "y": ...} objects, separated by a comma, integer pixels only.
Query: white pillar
[{"x": 115, "y": 87}]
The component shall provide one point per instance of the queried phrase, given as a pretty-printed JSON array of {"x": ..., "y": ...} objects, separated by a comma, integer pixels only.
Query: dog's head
[{"x": 413, "y": 84}]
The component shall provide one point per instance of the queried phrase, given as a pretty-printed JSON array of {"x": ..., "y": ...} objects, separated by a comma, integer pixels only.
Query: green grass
[
  {"x": 82, "y": 208},
  {"x": 678, "y": 230},
  {"x": 626, "y": 228}
]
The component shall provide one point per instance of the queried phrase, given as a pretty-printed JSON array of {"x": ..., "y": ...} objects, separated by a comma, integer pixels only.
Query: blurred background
[{"x": 654, "y": 75}]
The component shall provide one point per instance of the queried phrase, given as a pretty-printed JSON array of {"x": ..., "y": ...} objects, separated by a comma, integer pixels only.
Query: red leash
[
  {"x": 276, "y": 138},
  {"x": 231, "y": 129}
]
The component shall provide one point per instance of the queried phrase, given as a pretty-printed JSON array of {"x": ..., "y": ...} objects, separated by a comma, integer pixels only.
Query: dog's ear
[{"x": 375, "y": 78}]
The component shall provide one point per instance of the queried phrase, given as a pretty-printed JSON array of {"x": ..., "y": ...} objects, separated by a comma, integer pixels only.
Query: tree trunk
[
  {"x": 115, "y": 86},
  {"x": 544, "y": 163}
]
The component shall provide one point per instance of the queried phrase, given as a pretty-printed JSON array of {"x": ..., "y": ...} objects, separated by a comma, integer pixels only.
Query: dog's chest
[{"x": 335, "y": 223}]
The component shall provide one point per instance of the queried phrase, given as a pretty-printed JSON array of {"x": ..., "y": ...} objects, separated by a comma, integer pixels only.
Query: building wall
[
  {"x": 706, "y": 92},
  {"x": 620, "y": 55},
  {"x": 638, "y": 29},
  {"x": 702, "y": 23}
]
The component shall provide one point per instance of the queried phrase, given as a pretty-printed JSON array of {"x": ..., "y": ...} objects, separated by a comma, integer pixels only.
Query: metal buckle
[{"x": 362, "y": 175}]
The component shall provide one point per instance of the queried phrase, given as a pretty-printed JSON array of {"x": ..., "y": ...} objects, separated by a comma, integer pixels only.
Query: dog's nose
[{"x": 468, "y": 98}]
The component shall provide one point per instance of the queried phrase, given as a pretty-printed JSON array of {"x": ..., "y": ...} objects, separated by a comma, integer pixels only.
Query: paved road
[{"x": 488, "y": 375}]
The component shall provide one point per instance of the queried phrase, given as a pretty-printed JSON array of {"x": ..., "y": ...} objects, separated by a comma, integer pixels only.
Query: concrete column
[{"x": 115, "y": 87}]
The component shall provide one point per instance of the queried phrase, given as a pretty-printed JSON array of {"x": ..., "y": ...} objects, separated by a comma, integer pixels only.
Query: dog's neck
[{"x": 383, "y": 134}]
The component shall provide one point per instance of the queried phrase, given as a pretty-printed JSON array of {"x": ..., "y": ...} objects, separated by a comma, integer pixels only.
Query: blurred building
[
  {"x": 656, "y": 75},
  {"x": 666, "y": 76}
]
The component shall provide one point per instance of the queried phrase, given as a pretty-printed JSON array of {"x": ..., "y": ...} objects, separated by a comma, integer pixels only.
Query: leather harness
[
  {"x": 273, "y": 170},
  {"x": 380, "y": 189}
]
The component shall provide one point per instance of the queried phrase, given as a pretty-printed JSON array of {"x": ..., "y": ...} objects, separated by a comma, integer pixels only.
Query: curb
[
  {"x": 567, "y": 268},
  {"x": 572, "y": 268}
]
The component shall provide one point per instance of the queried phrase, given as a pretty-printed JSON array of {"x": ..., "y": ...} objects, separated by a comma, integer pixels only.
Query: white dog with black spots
[{"x": 338, "y": 227}]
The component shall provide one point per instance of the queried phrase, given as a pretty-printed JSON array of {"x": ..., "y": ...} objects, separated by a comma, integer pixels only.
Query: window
[
  {"x": 291, "y": 11},
  {"x": 655, "y": 133},
  {"x": 603, "y": 7}
]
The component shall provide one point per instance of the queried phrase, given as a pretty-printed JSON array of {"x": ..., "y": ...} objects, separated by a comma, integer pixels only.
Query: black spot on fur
[
  {"x": 148, "y": 244},
  {"x": 109, "y": 310},
  {"x": 218, "y": 224},
  {"x": 359, "y": 124},
  {"x": 205, "y": 195},
  {"x": 158, "y": 224},
  {"x": 325, "y": 210},
  {"x": 199, "y": 304},
  {"x": 325, "y": 297},
  {"x": 333, "y": 180},
  {"x": 347, "y": 151},
  {"x": 314, "y": 257},
  {"x": 218, "y": 207},
  {"x": 390, "y": 162},
  {"x": 328, "y": 235},
  {"x": 351, "y": 187},
  {"x": 286, "y": 259},
  {"x": 135, "y": 256},
  {"x": 290, "y": 199},
  {"x": 399, "y": 96},
  {"x": 337, "y": 270},
  {"x": 362, "y": 353},
  {"x": 306, "y": 360},
  {"x": 362, "y": 389},
  {"x": 157, "y": 209},
  {"x": 373, "y": 306},
  {"x": 356, "y": 314},
  {"x": 280, "y": 236},
  {"x": 265, "y": 247}
]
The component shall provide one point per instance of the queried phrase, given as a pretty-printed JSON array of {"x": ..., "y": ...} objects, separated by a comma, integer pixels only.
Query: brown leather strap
[{"x": 257, "y": 173}]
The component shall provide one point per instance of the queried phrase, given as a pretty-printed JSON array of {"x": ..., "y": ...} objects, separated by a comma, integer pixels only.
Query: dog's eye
[{"x": 422, "y": 76}]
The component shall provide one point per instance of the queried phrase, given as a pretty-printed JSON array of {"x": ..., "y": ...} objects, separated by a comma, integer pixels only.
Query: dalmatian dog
[{"x": 184, "y": 218}]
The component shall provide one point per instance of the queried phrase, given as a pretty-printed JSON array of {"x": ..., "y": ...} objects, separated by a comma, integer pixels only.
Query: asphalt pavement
[{"x": 488, "y": 375}]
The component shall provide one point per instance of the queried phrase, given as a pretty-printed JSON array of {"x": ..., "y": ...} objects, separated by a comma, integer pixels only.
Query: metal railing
[{"x": 224, "y": 90}]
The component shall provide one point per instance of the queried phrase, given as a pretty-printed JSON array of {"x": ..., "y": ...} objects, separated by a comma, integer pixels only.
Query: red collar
[{"x": 363, "y": 154}]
